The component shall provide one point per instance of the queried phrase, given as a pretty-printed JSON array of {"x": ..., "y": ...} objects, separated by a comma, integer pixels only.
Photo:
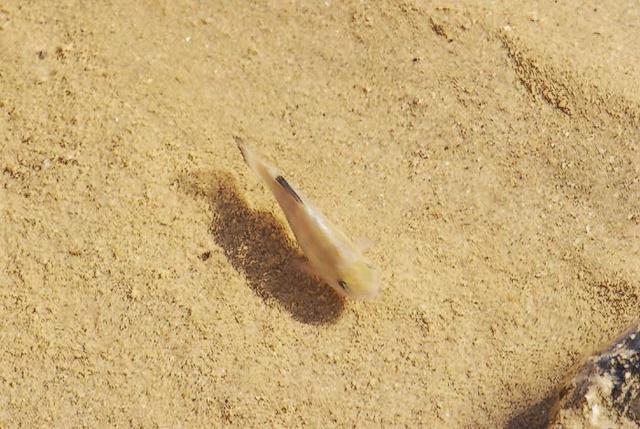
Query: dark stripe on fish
[{"x": 283, "y": 182}]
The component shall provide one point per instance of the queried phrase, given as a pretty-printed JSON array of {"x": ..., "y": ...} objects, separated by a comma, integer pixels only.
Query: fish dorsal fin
[
  {"x": 283, "y": 182},
  {"x": 363, "y": 244}
]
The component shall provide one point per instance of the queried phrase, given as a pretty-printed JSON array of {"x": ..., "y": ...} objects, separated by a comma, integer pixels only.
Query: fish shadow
[{"x": 257, "y": 245}]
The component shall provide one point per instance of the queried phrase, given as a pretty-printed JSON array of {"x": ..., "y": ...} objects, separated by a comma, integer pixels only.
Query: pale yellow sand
[{"x": 490, "y": 152}]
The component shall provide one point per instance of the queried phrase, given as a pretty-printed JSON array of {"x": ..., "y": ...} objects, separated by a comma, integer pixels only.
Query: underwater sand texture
[{"x": 490, "y": 152}]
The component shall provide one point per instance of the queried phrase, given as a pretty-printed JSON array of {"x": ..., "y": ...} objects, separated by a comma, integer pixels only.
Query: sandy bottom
[{"x": 147, "y": 278}]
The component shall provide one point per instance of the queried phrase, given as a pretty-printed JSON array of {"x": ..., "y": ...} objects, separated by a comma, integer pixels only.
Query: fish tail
[
  {"x": 282, "y": 190},
  {"x": 256, "y": 163}
]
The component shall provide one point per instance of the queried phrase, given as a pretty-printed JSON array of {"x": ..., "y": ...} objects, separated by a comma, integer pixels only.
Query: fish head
[{"x": 358, "y": 280}]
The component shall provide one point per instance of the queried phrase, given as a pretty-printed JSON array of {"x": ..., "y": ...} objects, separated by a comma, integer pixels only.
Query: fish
[{"x": 332, "y": 256}]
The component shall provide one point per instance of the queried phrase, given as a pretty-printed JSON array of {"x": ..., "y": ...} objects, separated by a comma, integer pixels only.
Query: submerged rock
[{"x": 606, "y": 392}]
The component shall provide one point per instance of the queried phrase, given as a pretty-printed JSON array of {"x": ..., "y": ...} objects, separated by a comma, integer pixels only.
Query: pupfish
[{"x": 333, "y": 257}]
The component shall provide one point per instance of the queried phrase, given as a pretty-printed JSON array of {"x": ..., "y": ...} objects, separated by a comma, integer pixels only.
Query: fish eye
[{"x": 342, "y": 284}]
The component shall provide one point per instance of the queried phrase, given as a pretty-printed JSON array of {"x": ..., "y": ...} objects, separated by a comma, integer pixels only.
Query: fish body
[{"x": 334, "y": 257}]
